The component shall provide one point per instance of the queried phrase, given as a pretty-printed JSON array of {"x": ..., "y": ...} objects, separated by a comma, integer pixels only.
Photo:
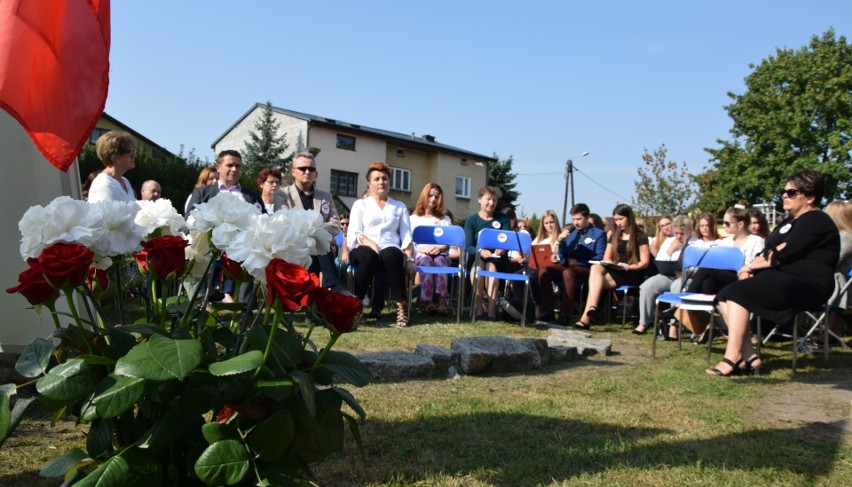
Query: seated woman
[
  {"x": 736, "y": 222},
  {"x": 669, "y": 253},
  {"x": 664, "y": 231},
  {"x": 706, "y": 231},
  {"x": 795, "y": 272},
  {"x": 429, "y": 210},
  {"x": 549, "y": 233},
  {"x": 380, "y": 238},
  {"x": 758, "y": 226},
  {"x": 268, "y": 181},
  {"x": 495, "y": 260},
  {"x": 627, "y": 256},
  {"x": 841, "y": 213}
]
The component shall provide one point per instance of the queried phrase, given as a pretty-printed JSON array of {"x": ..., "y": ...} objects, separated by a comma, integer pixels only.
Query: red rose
[
  {"x": 225, "y": 413},
  {"x": 341, "y": 311},
  {"x": 233, "y": 270},
  {"x": 63, "y": 263},
  {"x": 290, "y": 284},
  {"x": 97, "y": 280},
  {"x": 34, "y": 287},
  {"x": 166, "y": 254},
  {"x": 141, "y": 259}
]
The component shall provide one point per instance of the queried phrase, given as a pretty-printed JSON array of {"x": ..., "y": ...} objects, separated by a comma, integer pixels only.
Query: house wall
[
  {"x": 294, "y": 128},
  {"x": 367, "y": 151}
]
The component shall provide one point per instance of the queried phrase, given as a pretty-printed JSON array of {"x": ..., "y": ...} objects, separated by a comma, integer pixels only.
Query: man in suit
[
  {"x": 304, "y": 195},
  {"x": 571, "y": 264},
  {"x": 229, "y": 165}
]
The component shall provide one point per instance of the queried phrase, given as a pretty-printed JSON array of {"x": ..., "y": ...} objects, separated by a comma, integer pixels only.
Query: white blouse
[
  {"x": 752, "y": 246},
  {"x": 388, "y": 227},
  {"x": 106, "y": 188}
]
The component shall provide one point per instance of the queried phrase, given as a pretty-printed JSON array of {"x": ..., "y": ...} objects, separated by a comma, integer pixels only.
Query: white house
[{"x": 348, "y": 148}]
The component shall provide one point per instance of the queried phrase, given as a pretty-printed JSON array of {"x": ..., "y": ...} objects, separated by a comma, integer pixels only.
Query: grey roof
[
  {"x": 399, "y": 138},
  {"x": 136, "y": 134}
]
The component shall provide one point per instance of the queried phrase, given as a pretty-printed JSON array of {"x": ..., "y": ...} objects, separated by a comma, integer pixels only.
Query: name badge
[
  {"x": 588, "y": 240},
  {"x": 495, "y": 224},
  {"x": 786, "y": 228}
]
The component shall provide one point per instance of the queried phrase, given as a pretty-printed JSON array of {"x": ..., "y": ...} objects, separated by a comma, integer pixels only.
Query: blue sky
[{"x": 541, "y": 81}]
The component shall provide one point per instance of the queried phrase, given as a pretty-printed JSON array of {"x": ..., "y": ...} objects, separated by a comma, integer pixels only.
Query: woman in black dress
[
  {"x": 795, "y": 272},
  {"x": 626, "y": 257}
]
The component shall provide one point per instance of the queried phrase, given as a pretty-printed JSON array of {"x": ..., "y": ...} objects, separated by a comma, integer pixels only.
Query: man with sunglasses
[{"x": 303, "y": 194}]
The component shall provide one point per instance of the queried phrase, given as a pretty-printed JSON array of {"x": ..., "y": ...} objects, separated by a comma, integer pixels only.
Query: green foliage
[
  {"x": 533, "y": 223},
  {"x": 663, "y": 187},
  {"x": 265, "y": 148},
  {"x": 176, "y": 174},
  {"x": 795, "y": 114},
  {"x": 500, "y": 175}
]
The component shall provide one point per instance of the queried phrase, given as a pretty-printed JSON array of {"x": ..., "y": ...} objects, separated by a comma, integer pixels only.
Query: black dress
[
  {"x": 802, "y": 276},
  {"x": 628, "y": 278}
]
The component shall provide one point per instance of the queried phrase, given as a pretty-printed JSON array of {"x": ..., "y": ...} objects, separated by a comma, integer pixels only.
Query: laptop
[
  {"x": 540, "y": 256},
  {"x": 667, "y": 267}
]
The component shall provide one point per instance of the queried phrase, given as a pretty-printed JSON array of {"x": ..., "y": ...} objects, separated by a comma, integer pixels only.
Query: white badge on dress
[
  {"x": 495, "y": 224},
  {"x": 786, "y": 228},
  {"x": 324, "y": 208},
  {"x": 588, "y": 240}
]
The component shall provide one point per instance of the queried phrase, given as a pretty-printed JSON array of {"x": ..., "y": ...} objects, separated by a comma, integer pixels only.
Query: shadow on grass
[
  {"x": 26, "y": 479},
  {"x": 520, "y": 449}
]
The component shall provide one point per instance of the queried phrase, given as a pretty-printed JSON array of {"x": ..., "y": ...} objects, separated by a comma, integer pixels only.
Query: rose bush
[{"x": 183, "y": 396}]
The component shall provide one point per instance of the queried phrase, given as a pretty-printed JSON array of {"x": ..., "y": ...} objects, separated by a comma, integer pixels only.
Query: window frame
[
  {"x": 341, "y": 146},
  {"x": 405, "y": 174},
  {"x": 349, "y": 178},
  {"x": 465, "y": 187}
]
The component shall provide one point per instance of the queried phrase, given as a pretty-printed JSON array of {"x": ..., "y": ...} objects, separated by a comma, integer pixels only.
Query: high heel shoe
[
  {"x": 749, "y": 365},
  {"x": 735, "y": 369},
  {"x": 637, "y": 331}
]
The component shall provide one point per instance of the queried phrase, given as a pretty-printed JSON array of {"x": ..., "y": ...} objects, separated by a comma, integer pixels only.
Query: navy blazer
[
  {"x": 205, "y": 193},
  {"x": 592, "y": 246}
]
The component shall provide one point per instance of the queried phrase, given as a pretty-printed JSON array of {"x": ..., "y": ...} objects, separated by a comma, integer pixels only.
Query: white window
[
  {"x": 400, "y": 179},
  {"x": 462, "y": 187}
]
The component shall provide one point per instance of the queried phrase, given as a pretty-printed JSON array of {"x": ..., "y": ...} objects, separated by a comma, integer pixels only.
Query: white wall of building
[{"x": 28, "y": 180}]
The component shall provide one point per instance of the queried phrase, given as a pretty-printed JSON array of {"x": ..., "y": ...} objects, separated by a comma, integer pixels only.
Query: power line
[{"x": 601, "y": 185}]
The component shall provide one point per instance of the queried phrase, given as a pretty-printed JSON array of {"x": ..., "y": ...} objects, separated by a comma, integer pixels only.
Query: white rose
[{"x": 153, "y": 215}]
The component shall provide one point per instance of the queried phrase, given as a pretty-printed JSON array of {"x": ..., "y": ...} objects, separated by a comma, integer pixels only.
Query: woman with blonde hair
[
  {"x": 664, "y": 231},
  {"x": 206, "y": 177},
  {"x": 429, "y": 210},
  {"x": 117, "y": 151},
  {"x": 625, "y": 260}
]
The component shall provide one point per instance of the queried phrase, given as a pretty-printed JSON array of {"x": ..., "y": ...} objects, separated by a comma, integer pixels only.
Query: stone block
[
  {"x": 498, "y": 354},
  {"x": 398, "y": 365},
  {"x": 444, "y": 358}
]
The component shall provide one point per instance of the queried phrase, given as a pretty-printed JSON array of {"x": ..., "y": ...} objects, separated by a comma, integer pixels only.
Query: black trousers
[{"x": 368, "y": 262}]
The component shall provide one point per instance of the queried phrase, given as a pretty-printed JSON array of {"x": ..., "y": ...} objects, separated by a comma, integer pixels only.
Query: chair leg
[
  {"x": 795, "y": 340},
  {"x": 656, "y": 328},
  {"x": 710, "y": 337}
]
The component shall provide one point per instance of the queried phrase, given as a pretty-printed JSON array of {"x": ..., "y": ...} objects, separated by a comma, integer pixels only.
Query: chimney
[{"x": 429, "y": 138}]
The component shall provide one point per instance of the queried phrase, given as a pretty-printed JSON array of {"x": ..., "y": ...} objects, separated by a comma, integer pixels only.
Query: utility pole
[{"x": 569, "y": 184}]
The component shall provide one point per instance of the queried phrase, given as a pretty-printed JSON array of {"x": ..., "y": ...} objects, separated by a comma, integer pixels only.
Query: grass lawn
[{"x": 625, "y": 419}]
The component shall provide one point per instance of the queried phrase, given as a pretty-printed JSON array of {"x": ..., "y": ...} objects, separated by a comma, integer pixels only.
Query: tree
[
  {"x": 265, "y": 147},
  {"x": 500, "y": 175},
  {"x": 663, "y": 187},
  {"x": 796, "y": 113}
]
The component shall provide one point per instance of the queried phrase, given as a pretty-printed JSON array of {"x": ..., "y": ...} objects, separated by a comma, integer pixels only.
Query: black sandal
[
  {"x": 735, "y": 369},
  {"x": 644, "y": 330},
  {"x": 582, "y": 325},
  {"x": 748, "y": 367}
]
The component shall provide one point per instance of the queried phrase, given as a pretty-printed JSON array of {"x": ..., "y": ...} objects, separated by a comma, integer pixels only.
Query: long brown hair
[
  {"x": 632, "y": 238},
  {"x": 420, "y": 207}
]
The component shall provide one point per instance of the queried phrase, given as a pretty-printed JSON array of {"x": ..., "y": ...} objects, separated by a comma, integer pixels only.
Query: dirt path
[{"x": 825, "y": 407}]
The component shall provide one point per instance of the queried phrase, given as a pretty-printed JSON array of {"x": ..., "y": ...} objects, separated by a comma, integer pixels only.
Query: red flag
[{"x": 54, "y": 71}]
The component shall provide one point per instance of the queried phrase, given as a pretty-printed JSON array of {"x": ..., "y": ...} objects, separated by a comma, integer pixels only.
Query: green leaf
[
  {"x": 120, "y": 397},
  {"x": 113, "y": 472},
  {"x": 5, "y": 418},
  {"x": 96, "y": 360},
  {"x": 144, "y": 329},
  {"x": 34, "y": 359},
  {"x": 271, "y": 438},
  {"x": 178, "y": 357},
  {"x": 276, "y": 389},
  {"x": 224, "y": 462},
  {"x": 67, "y": 382},
  {"x": 99, "y": 439},
  {"x": 286, "y": 349},
  {"x": 15, "y": 418},
  {"x": 214, "y": 432},
  {"x": 58, "y": 466},
  {"x": 140, "y": 363},
  {"x": 306, "y": 389},
  {"x": 237, "y": 365},
  {"x": 351, "y": 401},
  {"x": 356, "y": 434},
  {"x": 349, "y": 367}
]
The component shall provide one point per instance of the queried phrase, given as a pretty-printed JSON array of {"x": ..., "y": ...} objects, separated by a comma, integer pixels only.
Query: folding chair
[
  {"x": 505, "y": 240},
  {"x": 442, "y": 235},
  {"x": 620, "y": 303},
  {"x": 726, "y": 258}
]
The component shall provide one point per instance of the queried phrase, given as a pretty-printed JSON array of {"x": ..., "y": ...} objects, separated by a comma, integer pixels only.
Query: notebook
[{"x": 540, "y": 256}]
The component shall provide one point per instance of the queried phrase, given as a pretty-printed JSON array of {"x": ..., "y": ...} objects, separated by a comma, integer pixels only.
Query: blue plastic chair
[
  {"x": 506, "y": 240},
  {"x": 727, "y": 258},
  {"x": 442, "y": 235}
]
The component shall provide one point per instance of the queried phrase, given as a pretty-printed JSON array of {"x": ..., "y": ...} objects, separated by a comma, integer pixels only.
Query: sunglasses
[
  {"x": 790, "y": 193},
  {"x": 306, "y": 168},
  {"x": 726, "y": 224}
]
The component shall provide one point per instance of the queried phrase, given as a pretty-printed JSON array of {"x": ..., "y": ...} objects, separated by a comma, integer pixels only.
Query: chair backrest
[
  {"x": 439, "y": 235},
  {"x": 338, "y": 239},
  {"x": 504, "y": 239},
  {"x": 729, "y": 258}
]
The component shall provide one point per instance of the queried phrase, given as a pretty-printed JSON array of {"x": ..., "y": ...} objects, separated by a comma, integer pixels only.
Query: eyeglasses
[
  {"x": 273, "y": 182},
  {"x": 306, "y": 168},
  {"x": 790, "y": 193},
  {"x": 132, "y": 152},
  {"x": 343, "y": 224}
]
